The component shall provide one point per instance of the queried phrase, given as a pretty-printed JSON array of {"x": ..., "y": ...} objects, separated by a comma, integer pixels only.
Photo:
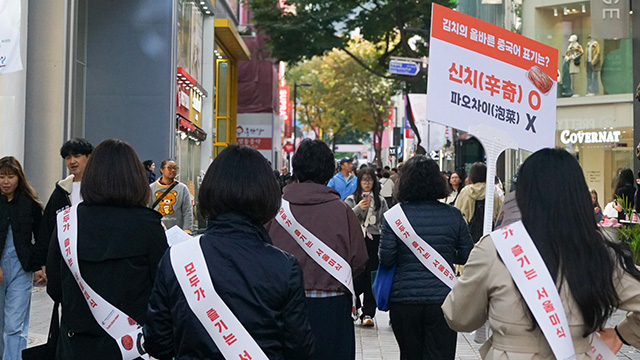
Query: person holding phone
[{"x": 369, "y": 207}]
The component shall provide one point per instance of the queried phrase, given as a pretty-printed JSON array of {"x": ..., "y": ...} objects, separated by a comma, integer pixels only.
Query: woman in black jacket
[
  {"x": 260, "y": 284},
  {"x": 416, "y": 293},
  {"x": 20, "y": 216},
  {"x": 119, "y": 244},
  {"x": 625, "y": 190}
]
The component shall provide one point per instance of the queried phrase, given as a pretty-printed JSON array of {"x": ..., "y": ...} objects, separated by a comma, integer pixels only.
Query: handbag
[
  {"x": 46, "y": 351},
  {"x": 382, "y": 286}
]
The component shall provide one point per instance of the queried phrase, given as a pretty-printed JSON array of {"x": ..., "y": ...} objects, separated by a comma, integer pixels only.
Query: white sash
[
  {"x": 521, "y": 257},
  {"x": 122, "y": 328},
  {"x": 428, "y": 256},
  {"x": 226, "y": 331},
  {"x": 322, "y": 254}
]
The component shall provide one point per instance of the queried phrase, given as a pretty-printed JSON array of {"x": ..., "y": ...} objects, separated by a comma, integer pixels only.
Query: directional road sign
[{"x": 401, "y": 67}]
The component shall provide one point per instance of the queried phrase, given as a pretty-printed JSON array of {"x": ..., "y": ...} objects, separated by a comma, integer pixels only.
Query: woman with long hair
[
  {"x": 416, "y": 292},
  {"x": 597, "y": 210},
  {"x": 593, "y": 276},
  {"x": 262, "y": 285},
  {"x": 20, "y": 216},
  {"x": 370, "y": 207},
  {"x": 119, "y": 244}
]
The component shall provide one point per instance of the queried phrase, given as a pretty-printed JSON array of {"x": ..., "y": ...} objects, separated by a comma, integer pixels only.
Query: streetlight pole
[{"x": 295, "y": 103}]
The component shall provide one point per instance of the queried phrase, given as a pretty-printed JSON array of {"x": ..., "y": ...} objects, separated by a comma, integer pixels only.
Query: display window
[{"x": 587, "y": 66}]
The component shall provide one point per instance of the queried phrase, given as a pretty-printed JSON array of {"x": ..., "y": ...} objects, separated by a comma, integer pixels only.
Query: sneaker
[{"x": 367, "y": 321}]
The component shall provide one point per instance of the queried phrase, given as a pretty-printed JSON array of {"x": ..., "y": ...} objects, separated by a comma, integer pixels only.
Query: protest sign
[{"x": 493, "y": 83}]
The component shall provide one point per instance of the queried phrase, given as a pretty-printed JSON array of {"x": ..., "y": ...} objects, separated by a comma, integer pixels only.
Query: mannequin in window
[
  {"x": 572, "y": 57},
  {"x": 594, "y": 65}
]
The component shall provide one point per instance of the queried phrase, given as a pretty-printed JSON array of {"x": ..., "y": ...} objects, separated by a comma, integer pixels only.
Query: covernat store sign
[{"x": 589, "y": 137}]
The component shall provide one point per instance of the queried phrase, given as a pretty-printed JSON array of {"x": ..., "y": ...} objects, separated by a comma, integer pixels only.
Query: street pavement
[{"x": 372, "y": 343}]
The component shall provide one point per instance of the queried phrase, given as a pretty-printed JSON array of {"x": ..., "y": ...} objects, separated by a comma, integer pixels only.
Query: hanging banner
[
  {"x": 435, "y": 132},
  {"x": 283, "y": 109},
  {"x": 10, "y": 60},
  {"x": 483, "y": 78}
]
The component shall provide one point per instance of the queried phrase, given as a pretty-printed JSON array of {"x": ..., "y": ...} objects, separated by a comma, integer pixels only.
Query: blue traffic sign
[{"x": 399, "y": 67}]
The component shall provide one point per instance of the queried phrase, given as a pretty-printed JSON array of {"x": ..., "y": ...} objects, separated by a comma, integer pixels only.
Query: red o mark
[{"x": 535, "y": 94}]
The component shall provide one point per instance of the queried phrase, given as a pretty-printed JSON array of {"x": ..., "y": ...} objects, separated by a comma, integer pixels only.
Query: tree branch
[{"x": 368, "y": 68}]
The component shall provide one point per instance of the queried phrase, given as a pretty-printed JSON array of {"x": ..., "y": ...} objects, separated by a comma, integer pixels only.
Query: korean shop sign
[
  {"x": 484, "y": 76},
  {"x": 610, "y": 19}
]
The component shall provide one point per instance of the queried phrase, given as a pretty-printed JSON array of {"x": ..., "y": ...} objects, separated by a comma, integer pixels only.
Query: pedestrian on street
[
  {"x": 261, "y": 285},
  {"x": 625, "y": 190},
  {"x": 456, "y": 185},
  {"x": 172, "y": 198},
  {"x": 119, "y": 244},
  {"x": 416, "y": 292},
  {"x": 593, "y": 276},
  {"x": 20, "y": 217},
  {"x": 369, "y": 206},
  {"x": 471, "y": 200},
  {"x": 320, "y": 213},
  {"x": 149, "y": 167},
  {"x": 344, "y": 181},
  {"x": 66, "y": 192},
  {"x": 386, "y": 187}
]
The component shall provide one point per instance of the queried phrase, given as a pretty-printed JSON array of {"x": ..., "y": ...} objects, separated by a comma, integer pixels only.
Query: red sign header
[{"x": 493, "y": 41}]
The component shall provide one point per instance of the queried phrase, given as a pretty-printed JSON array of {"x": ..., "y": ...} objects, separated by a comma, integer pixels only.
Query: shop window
[
  {"x": 586, "y": 66},
  {"x": 222, "y": 102}
]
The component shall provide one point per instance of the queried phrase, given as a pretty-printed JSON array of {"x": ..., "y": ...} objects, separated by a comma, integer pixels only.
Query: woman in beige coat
[{"x": 595, "y": 276}]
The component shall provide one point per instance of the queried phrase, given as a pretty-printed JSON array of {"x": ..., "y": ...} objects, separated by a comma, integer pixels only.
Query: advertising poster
[
  {"x": 10, "y": 60},
  {"x": 486, "y": 79},
  {"x": 254, "y": 136}
]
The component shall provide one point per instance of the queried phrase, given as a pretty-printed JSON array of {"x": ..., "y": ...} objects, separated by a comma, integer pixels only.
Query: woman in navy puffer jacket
[{"x": 417, "y": 294}]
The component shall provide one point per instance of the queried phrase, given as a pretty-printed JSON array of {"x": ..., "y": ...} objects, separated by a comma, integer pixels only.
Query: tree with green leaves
[
  {"x": 343, "y": 95},
  {"x": 306, "y": 28}
]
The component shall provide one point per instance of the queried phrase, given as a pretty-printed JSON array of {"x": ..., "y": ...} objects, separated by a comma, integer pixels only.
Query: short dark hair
[
  {"x": 165, "y": 161},
  {"x": 313, "y": 161},
  {"x": 478, "y": 173},
  {"x": 76, "y": 146},
  {"x": 147, "y": 164},
  {"x": 240, "y": 180},
  {"x": 115, "y": 176},
  {"x": 421, "y": 179}
]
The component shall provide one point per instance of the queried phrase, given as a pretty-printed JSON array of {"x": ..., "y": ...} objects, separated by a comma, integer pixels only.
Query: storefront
[
  {"x": 229, "y": 49},
  {"x": 192, "y": 89},
  {"x": 595, "y": 86}
]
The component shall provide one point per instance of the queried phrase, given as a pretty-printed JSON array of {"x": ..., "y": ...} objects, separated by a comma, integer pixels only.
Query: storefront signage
[
  {"x": 487, "y": 80},
  {"x": 254, "y": 136},
  {"x": 592, "y": 137},
  {"x": 10, "y": 60},
  {"x": 195, "y": 113},
  {"x": 610, "y": 19},
  {"x": 283, "y": 109},
  {"x": 183, "y": 101}
]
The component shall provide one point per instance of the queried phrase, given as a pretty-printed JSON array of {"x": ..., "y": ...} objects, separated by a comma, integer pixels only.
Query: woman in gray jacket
[{"x": 369, "y": 206}]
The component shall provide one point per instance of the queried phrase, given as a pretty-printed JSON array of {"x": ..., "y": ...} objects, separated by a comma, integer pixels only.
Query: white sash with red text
[
  {"x": 531, "y": 276},
  {"x": 224, "y": 328},
  {"x": 428, "y": 256},
  {"x": 122, "y": 328},
  {"x": 322, "y": 254}
]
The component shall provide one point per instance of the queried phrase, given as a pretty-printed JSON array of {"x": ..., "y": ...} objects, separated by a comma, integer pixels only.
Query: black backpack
[{"x": 477, "y": 221}]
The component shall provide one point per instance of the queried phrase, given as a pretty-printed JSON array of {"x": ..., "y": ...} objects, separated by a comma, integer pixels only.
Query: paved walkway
[{"x": 372, "y": 343}]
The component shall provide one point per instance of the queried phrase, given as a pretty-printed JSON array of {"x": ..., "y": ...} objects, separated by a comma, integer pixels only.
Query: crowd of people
[{"x": 284, "y": 267}]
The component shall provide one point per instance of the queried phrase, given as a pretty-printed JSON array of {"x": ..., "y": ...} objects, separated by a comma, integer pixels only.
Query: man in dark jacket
[
  {"x": 66, "y": 192},
  {"x": 318, "y": 209}
]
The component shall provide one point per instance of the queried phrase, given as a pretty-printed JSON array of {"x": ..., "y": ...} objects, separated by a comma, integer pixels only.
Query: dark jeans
[
  {"x": 362, "y": 283},
  {"x": 332, "y": 327},
  {"x": 592, "y": 80},
  {"x": 422, "y": 332}
]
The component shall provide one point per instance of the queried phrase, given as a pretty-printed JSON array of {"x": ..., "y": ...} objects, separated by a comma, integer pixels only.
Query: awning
[{"x": 227, "y": 34}]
